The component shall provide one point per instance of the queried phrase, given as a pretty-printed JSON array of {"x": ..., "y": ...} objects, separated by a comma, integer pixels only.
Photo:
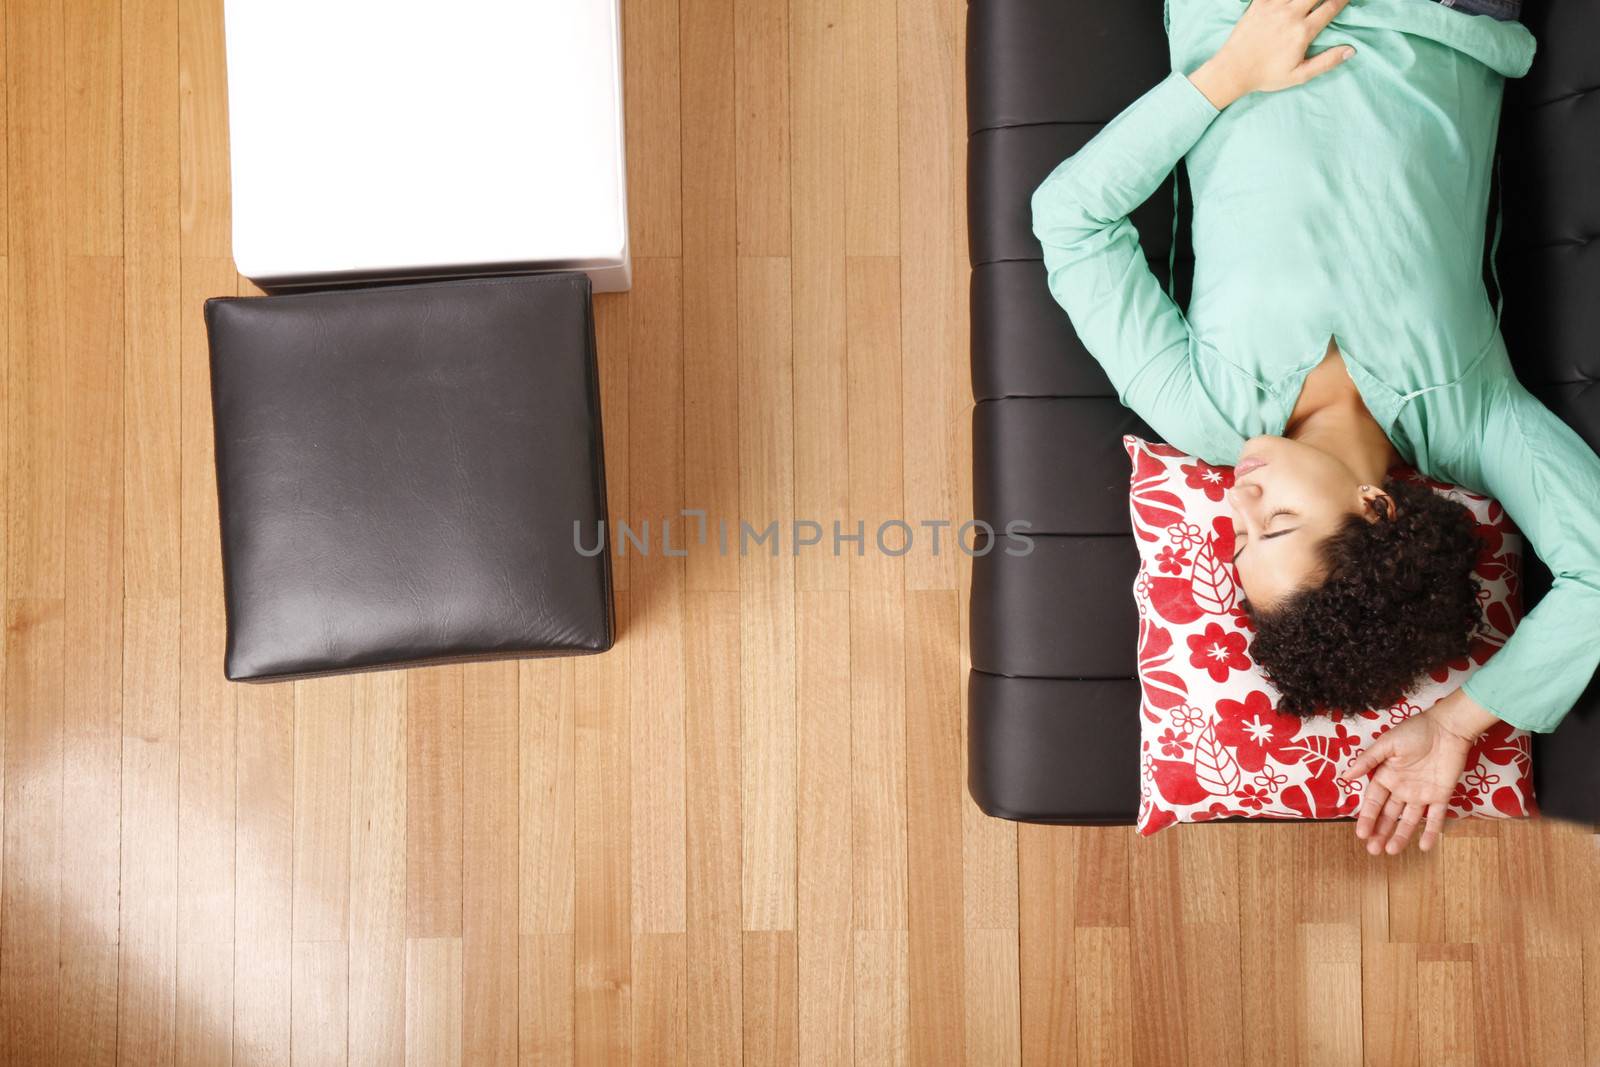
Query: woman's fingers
[
  {"x": 1368, "y": 760},
  {"x": 1323, "y": 62},
  {"x": 1434, "y": 826},
  {"x": 1371, "y": 805},
  {"x": 1409, "y": 821},
  {"x": 1317, "y": 20},
  {"x": 1326, "y": 13},
  {"x": 1386, "y": 824}
]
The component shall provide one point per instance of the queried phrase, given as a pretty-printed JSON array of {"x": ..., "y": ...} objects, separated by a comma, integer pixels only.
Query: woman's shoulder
[{"x": 1448, "y": 425}]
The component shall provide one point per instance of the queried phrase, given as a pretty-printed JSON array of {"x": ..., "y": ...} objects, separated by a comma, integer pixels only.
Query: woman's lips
[{"x": 1245, "y": 466}]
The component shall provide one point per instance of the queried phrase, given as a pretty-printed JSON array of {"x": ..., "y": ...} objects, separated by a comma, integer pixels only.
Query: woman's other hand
[
  {"x": 1267, "y": 50},
  {"x": 1414, "y": 768}
]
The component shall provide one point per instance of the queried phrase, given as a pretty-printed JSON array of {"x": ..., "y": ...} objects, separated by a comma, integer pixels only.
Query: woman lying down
[{"x": 1340, "y": 155}]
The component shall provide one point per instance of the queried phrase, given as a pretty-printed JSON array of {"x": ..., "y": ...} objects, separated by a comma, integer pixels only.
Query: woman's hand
[
  {"x": 1267, "y": 50},
  {"x": 1414, "y": 768}
]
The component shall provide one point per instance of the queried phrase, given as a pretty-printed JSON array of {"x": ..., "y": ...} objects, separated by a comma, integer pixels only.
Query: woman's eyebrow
[{"x": 1264, "y": 537}]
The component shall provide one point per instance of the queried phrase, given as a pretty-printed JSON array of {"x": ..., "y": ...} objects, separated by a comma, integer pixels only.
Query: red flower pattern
[
  {"x": 1254, "y": 798},
  {"x": 1217, "y": 810},
  {"x": 1255, "y": 730},
  {"x": 1399, "y": 713},
  {"x": 1188, "y": 718},
  {"x": 1218, "y": 652},
  {"x": 1270, "y": 780},
  {"x": 1172, "y": 562},
  {"x": 1212, "y": 481},
  {"x": 1174, "y": 744},
  {"x": 1185, "y": 535},
  {"x": 1465, "y": 798}
]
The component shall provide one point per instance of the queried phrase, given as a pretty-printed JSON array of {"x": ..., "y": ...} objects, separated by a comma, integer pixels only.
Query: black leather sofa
[{"x": 1053, "y": 729}]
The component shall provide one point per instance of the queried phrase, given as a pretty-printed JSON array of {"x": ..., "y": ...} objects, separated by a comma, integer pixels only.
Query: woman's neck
[
  {"x": 1330, "y": 414},
  {"x": 1348, "y": 431}
]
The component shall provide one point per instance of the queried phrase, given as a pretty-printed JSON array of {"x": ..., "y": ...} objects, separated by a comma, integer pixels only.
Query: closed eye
[{"x": 1270, "y": 536}]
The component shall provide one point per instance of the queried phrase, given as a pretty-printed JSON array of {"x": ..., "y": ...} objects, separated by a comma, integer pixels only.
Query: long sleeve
[
  {"x": 1548, "y": 480},
  {"x": 1098, "y": 273}
]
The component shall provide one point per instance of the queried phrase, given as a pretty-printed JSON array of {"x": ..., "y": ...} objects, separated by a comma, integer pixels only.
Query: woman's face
[{"x": 1283, "y": 509}]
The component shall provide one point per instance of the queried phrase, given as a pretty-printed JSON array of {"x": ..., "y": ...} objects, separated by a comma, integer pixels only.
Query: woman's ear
[{"x": 1377, "y": 501}]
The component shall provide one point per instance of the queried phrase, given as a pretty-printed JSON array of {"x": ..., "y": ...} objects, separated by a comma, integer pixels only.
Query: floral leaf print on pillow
[
  {"x": 1214, "y": 766},
  {"x": 1212, "y": 581},
  {"x": 1173, "y": 599},
  {"x": 1323, "y": 796},
  {"x": 1214, "y": 745},
  {"x": 1161, "y": 688},
  {"x": 1154, "y": 508}
]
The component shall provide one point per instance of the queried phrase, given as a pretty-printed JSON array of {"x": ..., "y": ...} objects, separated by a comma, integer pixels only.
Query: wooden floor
[{"x": 742, "y": 833}]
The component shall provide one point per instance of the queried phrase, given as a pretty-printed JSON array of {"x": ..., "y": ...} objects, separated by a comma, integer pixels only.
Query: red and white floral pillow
[{"x": 1214, "y": 744}]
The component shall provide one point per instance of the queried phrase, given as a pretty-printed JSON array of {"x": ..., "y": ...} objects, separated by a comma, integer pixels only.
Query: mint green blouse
[{"x": 1352, "y": 207}]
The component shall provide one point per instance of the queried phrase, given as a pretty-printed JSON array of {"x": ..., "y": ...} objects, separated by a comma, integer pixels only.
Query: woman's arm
[
  {"x": 1095, "y": 268},
  {"x": 1098, "y": 273},
  {"x": 1547, "y": 478}
]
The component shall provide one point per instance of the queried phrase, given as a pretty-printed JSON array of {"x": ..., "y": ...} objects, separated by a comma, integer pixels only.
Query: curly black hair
[{"x": 1398, "y": 600}]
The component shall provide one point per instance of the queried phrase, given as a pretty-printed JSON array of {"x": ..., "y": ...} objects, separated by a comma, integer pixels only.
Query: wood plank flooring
[{"x": 743, "y": 834}]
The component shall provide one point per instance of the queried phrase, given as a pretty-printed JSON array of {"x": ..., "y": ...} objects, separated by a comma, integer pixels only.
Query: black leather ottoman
[
  {"x": 1053, "y": 697},
  {"x": 399, "y": 473}
]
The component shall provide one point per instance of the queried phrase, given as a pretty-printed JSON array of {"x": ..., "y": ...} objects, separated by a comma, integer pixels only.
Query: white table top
[{"x": 375, "y": 138}]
